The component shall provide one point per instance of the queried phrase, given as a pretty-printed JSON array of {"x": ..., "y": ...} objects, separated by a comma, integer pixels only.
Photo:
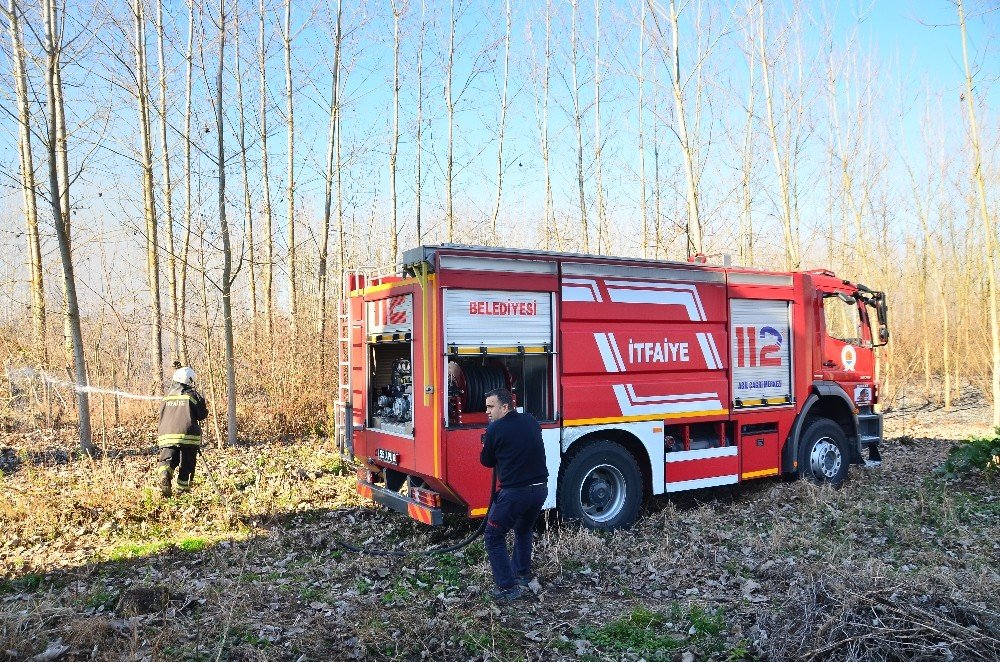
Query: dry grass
[{"x": 895, "y": 565}]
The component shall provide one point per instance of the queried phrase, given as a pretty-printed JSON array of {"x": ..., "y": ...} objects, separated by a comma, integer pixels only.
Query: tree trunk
[
  {"x": 328, "y": 195},
  {"x": 247, "y": 201},
  {"x": 746, "y": 241},
  {"x": 550, "y": 212},
  {"x": 227, "y": 251},
  {"x": 28, "y": 186},
  {"x": 694, "y": 235},
  {"x": 168, "y": 191},
  {"x": 642, "y": 147},
  {"x": 265, "y": 185},
  {"x": 450, "y": 103},
  {"x": 979, "y": 181},
  {"x": 503, "y": 120},
  {"x": 792, "y": 258},
  {"x": 148, "y": 193},
  {"x": 59, "y": 199},
  {"x": 180, "y": 322},
  {"x": 290, "y": 123},
  {"x": 602, "y": 230},
  {"x": 420, "y": 122},
  {"x": 578, "y": 123},
  {"x": 394, "y": 144}
]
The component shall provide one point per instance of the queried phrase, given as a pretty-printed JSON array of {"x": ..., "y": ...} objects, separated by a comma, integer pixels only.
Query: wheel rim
[
  {"x": 825, "y": 459},
  {"x": 603, "y": 492}
]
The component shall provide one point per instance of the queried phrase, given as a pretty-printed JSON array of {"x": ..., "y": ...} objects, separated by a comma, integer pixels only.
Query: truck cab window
[{"x": 843, "y": 322}]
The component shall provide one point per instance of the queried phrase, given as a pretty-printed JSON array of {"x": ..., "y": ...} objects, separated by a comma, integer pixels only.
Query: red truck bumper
[{"x": 400, "y": 503}]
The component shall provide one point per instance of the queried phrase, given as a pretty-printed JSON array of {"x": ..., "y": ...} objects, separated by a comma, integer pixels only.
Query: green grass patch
[
  {"x": 131, "y": 550},
  {"x": 647, "y": 634},
  {"x": 192, "y": 544},
  {"x": 640, "y": 632}
]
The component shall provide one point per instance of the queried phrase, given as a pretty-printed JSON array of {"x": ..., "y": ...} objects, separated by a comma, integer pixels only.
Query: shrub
[{"x": 978, "y": 453}]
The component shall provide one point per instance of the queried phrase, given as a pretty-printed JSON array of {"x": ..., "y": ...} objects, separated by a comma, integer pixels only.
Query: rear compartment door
[{"x": 761, "y": 351}]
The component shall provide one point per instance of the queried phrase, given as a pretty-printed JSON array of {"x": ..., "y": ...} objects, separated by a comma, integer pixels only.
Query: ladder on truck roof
[{"x": 353, "y": 278}]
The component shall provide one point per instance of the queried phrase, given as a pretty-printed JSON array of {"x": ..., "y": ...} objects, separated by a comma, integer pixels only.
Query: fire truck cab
[{"x": 646, "y": 376}]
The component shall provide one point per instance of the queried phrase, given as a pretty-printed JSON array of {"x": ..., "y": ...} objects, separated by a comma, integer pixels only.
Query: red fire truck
[{"x": 646, "y": 376}]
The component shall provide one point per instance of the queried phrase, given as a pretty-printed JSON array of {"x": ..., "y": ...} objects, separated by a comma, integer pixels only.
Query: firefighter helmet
[{"x": 184, "y": 376}]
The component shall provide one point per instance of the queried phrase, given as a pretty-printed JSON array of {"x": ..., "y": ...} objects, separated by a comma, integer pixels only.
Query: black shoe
[
  {"x": 507, "y": 595},
  {"x": 524, "y": 581}
]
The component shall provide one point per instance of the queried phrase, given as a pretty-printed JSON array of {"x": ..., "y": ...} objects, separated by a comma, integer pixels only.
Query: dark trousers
[
  {"x": 184, "y": 455},
  {"x": 513, "y": 508}
]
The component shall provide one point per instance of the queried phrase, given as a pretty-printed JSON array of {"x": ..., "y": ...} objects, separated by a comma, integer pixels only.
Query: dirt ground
[{"x": 897, "y": 564}]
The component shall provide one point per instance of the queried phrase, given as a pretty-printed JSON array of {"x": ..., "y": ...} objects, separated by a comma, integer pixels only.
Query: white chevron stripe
[
  {"x": 605, "y": 344},
  {"x": 581, "y": 289},
  {"x": 680, "y": 294},
  {"x": 633, "y": 405},
  {"x": 706, "y": 350}
]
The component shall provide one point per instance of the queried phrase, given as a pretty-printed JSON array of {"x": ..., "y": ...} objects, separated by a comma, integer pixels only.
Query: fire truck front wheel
[
  {"x": 824, "y": 457},
  {"x": 601, "y": 487}
]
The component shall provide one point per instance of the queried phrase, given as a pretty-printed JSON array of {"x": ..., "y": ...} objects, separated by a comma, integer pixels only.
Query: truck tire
[
  {"x": 601, "y": 487},
  {"x": 823, "y": 455}
]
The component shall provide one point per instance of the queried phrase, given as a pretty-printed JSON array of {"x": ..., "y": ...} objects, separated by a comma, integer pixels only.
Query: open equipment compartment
[
  {"x": 390, "y": 365},
  {"x": 527, "y": 376}
]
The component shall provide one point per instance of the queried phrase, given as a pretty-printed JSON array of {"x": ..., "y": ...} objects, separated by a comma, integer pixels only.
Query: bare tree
[
  {"x": 979, "y": 182},
  {"x": 578, "y": 124},
  {"x": 180, "y": 321},
  {"x": 449, "y": 101},
  {"x": 503, "y": 118},
  {"x": 640, "y": 84},
  {"x": 247, "y": 202},
  {"x": 781, "y": 161},
  {"x": 601, "y": 220},
  {"x": 746, "y": 238},
  {"x": 265, "y": 182},
  {"x": 420, "y": 122},
  {"x": 60, "y": 201},
  {"x": 684, "y": 137},
  {"x": 28, "y": 186},
  {"x": 541, "y": 79},
  {"x": 290, "y": 125},
  {"x": 168, "y": 206},
  {"x": 228, "y": 275},
  {"x": 148, "y": 193},
  {"x": 332, "y": 140},
  {"x": 398, "y": 8}
]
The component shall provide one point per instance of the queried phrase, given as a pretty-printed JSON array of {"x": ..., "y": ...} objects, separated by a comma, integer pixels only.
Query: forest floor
[{"x": 897, "y": 564}]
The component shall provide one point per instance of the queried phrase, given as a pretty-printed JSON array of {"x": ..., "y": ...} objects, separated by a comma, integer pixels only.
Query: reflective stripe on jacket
[{"x": 182, "y": 408}]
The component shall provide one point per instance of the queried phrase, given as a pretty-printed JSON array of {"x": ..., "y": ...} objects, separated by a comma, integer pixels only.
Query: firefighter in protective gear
[{"x": 179, "y": 433}]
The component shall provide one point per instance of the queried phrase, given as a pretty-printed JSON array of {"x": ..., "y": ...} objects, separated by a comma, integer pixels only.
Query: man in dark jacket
[
  {"x": 179, "y": 433},
  {"x": 512, "y": 446}
]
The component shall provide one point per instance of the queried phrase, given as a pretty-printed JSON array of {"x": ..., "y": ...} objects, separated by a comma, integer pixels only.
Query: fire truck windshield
[{"x": 845, "y": 320}]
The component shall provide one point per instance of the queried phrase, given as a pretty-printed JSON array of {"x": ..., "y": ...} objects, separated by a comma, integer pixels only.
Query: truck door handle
[{"x": 828, "y": 364}]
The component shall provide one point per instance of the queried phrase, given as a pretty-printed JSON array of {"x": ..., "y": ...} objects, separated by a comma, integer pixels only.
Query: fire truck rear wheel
[
  {"x": 601, "y": 487},
  {"x": 823, "y": 452}
]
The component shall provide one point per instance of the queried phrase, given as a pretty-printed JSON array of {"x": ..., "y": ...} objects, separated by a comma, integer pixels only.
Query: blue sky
[{"x": 900, "y": 49}]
